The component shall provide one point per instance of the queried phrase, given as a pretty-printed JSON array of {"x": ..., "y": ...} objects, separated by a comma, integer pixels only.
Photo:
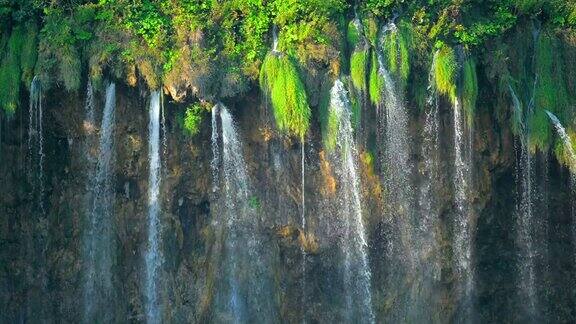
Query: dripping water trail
[{"x": 303, "y": 224}]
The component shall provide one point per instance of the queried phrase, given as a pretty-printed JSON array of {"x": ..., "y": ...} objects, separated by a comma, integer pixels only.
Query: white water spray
[
  {"x": 463, "y": 231},
  {"x": 154, "y": 256},
  {"x": 98, "y": 240},
  {"x": 357, "y": 274}
]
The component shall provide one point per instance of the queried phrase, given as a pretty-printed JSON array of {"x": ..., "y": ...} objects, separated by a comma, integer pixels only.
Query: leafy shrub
[{"x": 193, "y": 117}]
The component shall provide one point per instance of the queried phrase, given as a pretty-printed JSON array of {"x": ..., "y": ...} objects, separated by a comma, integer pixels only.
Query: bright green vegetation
[
  {"x": 218, "y": 49},
  {"x": 445, "y": 71},
  {"x": 550, "y": 92},
  {"x": 358, "y": 68},
  {"x": 376, "y": 83},
  {"x": 395, "y": 48},
  {"x": 10, "y": 70},
  {"x": 353, "y": 35},
  {"x": 331, "y": 133},
  {"x": 469, "y": 88},
  {"x": 280, "y": 81},
  {"x": 193, "y": 117}
]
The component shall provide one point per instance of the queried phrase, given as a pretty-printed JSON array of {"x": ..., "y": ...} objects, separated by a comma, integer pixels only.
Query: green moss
[
  {"x": 358, "y": 67},
  {"x": 356, "y": 108},
  {"x": 10, "y": 71},
  {"x": 550, "y": 92},
  {"x": 352, "y": 35},
  {"x": 396, "y": 46},
  {"x": 280, "y": 81},
  {"x": 376, "y": 81},
  {"x": 371, "y": 30},
  {"x": 29, "y": 53},
  {"x": 331, "y": 133},
  {"x": 469, "y": 89},
  {"x": 58, "y": 57},
  {"x": 445, "y": 70}
]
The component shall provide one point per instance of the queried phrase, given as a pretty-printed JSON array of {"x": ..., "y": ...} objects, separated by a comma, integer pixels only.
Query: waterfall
[
  {"x": 397, "y": 144},
  {"x": 525, "y": 211},
  {"x": 275, "y": 39},
  {"x": 154, "y": 257},
  {"x": 403, "y": 238},
  {"x": 36, "y": 141},
  {"x": 98, "y": 240},
  {"x": 423, "y": 301},
  {"x": 215, "y": 148},
  {"x": 564, "y": 137},
  {"x": 357, "y": 274},
  {"x": 39, "y": 245},
  {"x": 245, "y": 287},
  {"x": 463, "y": 221},
  {"x": 572, "y": 157}
]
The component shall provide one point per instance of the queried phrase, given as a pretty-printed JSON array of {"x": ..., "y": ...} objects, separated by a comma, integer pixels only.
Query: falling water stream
[
  {"x": 245, "y": 290},
  {"x": 154, "y": 257},
  {"x": 36, "y": 141},
  {"x": 357, "y": 274},
  {"x": 463, "y": 231},
  {"x": 423, "y": 301},
  {"x": 98, "y": 241},
  {"x": 525, "y": 210},
  {"x": 37, "y": 248}
]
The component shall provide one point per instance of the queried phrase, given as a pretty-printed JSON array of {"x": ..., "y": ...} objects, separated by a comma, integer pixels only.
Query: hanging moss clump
[
  {"x": 353, "y": 35},
  {"x": 358, "y": 68},
  {"x": 445, "y": 69},
  {"x": 29, "y": 53},
  {"x": 280, "y": 81},
  {"x": 469, "y": 88},
  {"x": 331, "y": 133},
  {"x": 376, "y": 81},
  {"x": 10, "y": 71},
  {"x": 395, "y": 48},
  {"x": 550, "y": 93}
]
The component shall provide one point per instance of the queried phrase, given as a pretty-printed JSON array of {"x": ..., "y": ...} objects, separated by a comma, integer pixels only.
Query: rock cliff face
[{"x": 40, "y": 254}]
